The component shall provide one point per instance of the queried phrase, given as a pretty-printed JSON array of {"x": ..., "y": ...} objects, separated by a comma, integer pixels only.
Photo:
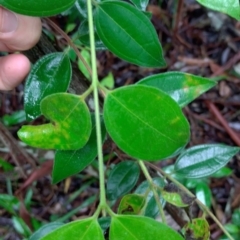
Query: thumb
[{"x": 18, "y": 32}]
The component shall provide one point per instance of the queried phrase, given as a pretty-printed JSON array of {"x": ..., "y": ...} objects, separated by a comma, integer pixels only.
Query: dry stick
[
  {"x": 177, "y": 17},
  {"x": 227, "y": 66},
  {"x": 192, "y": 195},
  {"x": 69, "y": 41},
  {"x": 224, "y": 123}
]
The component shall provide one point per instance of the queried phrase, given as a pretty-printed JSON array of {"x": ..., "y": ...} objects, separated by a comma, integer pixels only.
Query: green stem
[
  {"x": 103, "y": 202},
  {"x": 150, "y": 181},
  {"x": 192, "y": 195}
]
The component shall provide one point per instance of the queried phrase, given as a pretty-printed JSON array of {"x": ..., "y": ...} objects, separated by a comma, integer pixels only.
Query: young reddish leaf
[
  {"x": 131, "y": 204},
  {"x": 70, "y": 125},
  {"x": 51, "y": 74},
  {"x": 37, "y": 8},
  {"x": 182, "y": 87},
  {"x": 128, "y": 33},
  {"x": 122, "y": 179},
  {"x": 230, "y": 7},
  {"x": 204, "y": 160},
  {"x": 68, "y": 163},
  {"x": 145, "y": 122},
  {"x": 85, "y": 229},
  {"x": 124, "y": 227}
]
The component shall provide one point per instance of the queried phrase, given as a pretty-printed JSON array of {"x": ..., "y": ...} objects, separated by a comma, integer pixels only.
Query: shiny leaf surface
[
  {"x": 87, "y": 229},
  {"x": 141, "y": 4},
  {"x": 68, "y": 163},
  {"x": 139, "y": 127},
  {"x": 70, "y": 126},
  {"x": 51, "y": 74},
  {"x": 203, "y": 160},
  {"x": 182, "y": 87},
  {"x": 151, "y": 209},
  {"x": 46, "y": 229},
  {"x": 230, "y": 7},
  {"x": 128, "y": 33},
  {"x": 122, "y": 179},
  {"x": 131, "y": 204},
  {"x": 125, "y": 227},
  {"x": 204, "y": 194},
  {"x": 37, "y": 8}
]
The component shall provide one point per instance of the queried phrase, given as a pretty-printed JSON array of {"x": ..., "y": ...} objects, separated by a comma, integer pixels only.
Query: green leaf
[
  {"x": 70, "y": 126},
  {"x": 204, "y": 194},
  {"x": 87, "y": 229},
  {"x": 9, "y": 203},
  {"x": 108, "y": 81},
  {"x": 236, "y": 217},
  {"x": 83, "y": 34},
  {"x": 5, "y": 165},
  {"x": 81, "y": 6},
  {"x": 151, "y": 208},
  {"x": 230, "y": 7},
  {"x": 125, "y": 227},
  {"x": 14, "y": 118},
  {"x": 51, "y": 74},
  {"x": 198, "y": 228},
  {"x": 128, "y": 33},
  {"x": 141, "y": 4},
  {"x": 86, "y": 55},
  {"x": 122, "y": 179},
  {"x": 131, "y": 204},
  {"x": 21, "y": 227},
  {"x": 176, "y": 196},
  {"x": 134, "y": 119},
  {"x": 182, "y": 87},
  {"x": 222, "y": 172},
  {"x": 68, "y": 163},
  {"x": 37, "y": 8},
  {"x": 44, "y": 230},
  {"x": 203, "y": 160}
]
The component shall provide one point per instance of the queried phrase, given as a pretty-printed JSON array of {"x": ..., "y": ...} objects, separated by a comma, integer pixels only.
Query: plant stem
[
  {"x": 103, "y": 202},
  {"x": 149, "y": 179},
  {"x": 192, "y": 195}
]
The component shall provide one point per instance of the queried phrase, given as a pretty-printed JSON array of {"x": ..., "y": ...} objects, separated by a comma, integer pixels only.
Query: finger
[
  {"x": 13, "y": 69},
  {"x": 18, "y": 32}
]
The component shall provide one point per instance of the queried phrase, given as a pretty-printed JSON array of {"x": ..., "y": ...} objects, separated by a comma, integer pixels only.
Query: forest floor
[{"x": 195, "y": 40}]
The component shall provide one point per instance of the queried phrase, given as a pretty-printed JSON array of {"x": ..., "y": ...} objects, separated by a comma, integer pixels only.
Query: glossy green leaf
[
  {"x": 37, "y": 8},
  {"x": 182, "y": 87},
  {"x": 122, "y": 179},
  {"x": 204, "y": 194},
  {"x": 87, "y": 229},
  {"x": 151, "y": 208},
  {"x": 131, "y": 204},
  {"x": 203, "y": 160},
  {"x": 70, "y": 126},
  {"x": 222, "y": 172},
  {"x": 198, "y": 228},
  {"x": 141, "y": 4},
  {"x": 176, "y": 196},
  {"x": 68, "y": 163},
  {"x": 125, "y": 227},
  {"x": 20, "y": 226},
  {"x": 134, "y": 119},
  {"x": 108, "y": 81},
  {"x": 81, "y": 6},
  {"x": 9, "y": 203},
  {"x": 236, "y": 217},
  {"x": 14, "y": 118},
  {"x": 128, "y": 33},
  {"x": 83, "y": 34},
  {"x": 51, "y": 74},
  {"x": 230, "y": 7},
  {"x": 45, "y": 229}
]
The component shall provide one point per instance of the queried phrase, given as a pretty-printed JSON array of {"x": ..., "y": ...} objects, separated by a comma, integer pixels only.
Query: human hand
[{"x": 17, "y": 33}]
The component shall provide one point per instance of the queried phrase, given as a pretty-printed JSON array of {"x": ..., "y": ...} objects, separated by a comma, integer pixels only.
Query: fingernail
[{"x": 8, "y": 21}]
